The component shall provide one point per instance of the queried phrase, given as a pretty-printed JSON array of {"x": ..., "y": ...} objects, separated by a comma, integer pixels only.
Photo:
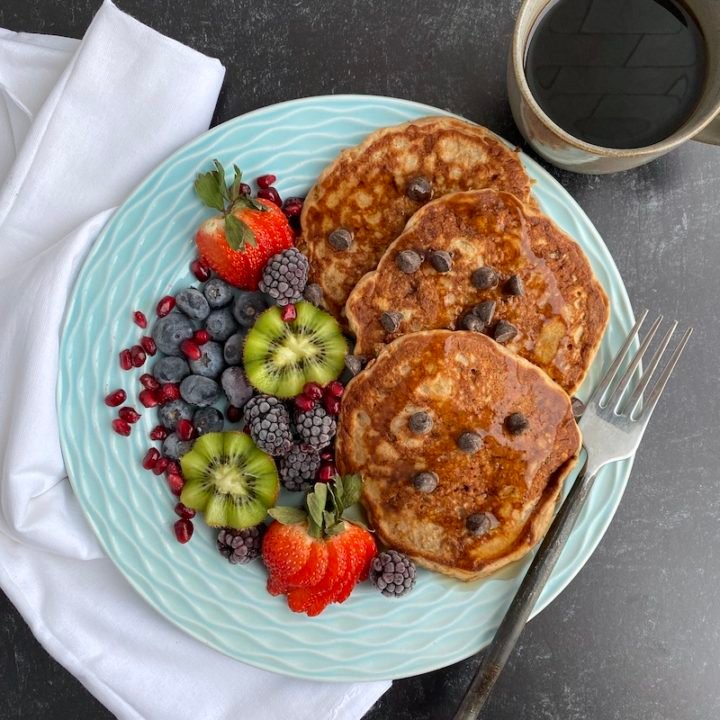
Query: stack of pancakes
[{"x": 477, "y": 317}]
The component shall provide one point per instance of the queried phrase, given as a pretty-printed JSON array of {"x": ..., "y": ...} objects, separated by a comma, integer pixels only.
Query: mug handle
[{"x": 710, "y": 133}]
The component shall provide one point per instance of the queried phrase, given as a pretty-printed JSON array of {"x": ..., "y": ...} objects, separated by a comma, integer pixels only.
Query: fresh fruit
[
  {"x": 160, "y": 466},
  {"x": 238, "y": 243},
  {"x": 313, "y": 390},
  {"x": 233, "y": 349},
  {"x": 169, "y": 392},
  {"x": 149, "y": 398},
  {"x": 248, "y": 307},
  {"x": 199, "y": 390},
  {"x": 185, "y": 429},
  {"x": 121, "y": 427},
  {"x": 200, "y": 270},
  {"x": 173, "y": 468},
  {"x": 269, "y": 424},
  {"x": 316, "y": 427},
  {"x": 314, "y": 555},
  {"x": 335, "y": 388},
  {"x": 139, "y": 319},
  {"x": 193, "y": 303},
  {"x": 304, "y": 403},
  {"x": 298, "y": 468},
  {"x": 217, "y": 292},
  {"x": 271, "y": 194},
  {"x": 239, "y": 547},
  {"x": 165, "y": 306},
  {"x": 138, "y": 356},
  {"x": 175, "y": 484},
  {"x": 211, "y": 361},
  {"x": 172, "y": 412},
  {"x": 331, "y": 404},
  {"x": 326, "y": 473},
  {"x": 115, "y": 398},
  {"x": 171, "y": 369},
  {"x": 285, "y": 276},
  {"x": 234, "y": 414},
  {"x": 183, "y": 530},
  {"x": 125, "y": 359},
  {"x": 288, "y": 313},
  {"x": 129, "y": 415},
  {"x": 149, "y": 381},
  {"x": 150, "y": 458},
  {"x": 265, "y": 181},
  {"x": 174, "y": 448},
  {"x": 236, "y": 387},
  {"x": 184, "y": 512},
  {"x": 229, "y": 479},
  {"x": 207, "y": 419},
  {"x": 200, "y": 337},
  {"x": 221, "y": 324},
  {"x": 393, "y": 573},
  {"x": 313, "y": 294},
  {"x": 159, "y": 433},
  {"x": 171, "y": 330},
  {"x": 280, "y": 358},
  {"x": 190, "y": 350}
]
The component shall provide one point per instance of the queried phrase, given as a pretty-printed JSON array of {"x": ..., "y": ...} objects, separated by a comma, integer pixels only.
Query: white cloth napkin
[{"x": 80, "y": 124}]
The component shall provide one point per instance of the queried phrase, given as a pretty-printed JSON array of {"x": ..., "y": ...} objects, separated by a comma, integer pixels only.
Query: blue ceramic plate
[{"x": 142, "y": 254}]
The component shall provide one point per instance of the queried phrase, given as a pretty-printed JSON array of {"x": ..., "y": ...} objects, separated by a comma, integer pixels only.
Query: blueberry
[
  {"x": 211, "y": 361},
  {"x": 420, "y": 423},
  {"x": 208, "y": 419},
  {"x": 236, "y": 387},
  {"x": 172, "y": 412},
  {"x": 217, "y": 292},
  {"x": 425, "y": 482},
  {"x": 171, "y": 369},
  {"x": 233, "y": 351},
  {"x": 170, "y": 331},
  {"x": 220, "y": 324},
  {"x": 248, "y": 305},
  {"x": 481, "y": 523},
  {"x": 174, "y": 448},
  {"x": 193, "y": 303},
  {"x": 199, "y": 390}
]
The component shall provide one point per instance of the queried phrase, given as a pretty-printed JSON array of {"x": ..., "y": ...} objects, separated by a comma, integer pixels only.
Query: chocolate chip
[
  {"x": 391, "y": 321},
  {"x": 425, "y": 482},
  {"x": 504, "y": 332},
  {"x": 516, "y": 423},
  {"x": 514, "y": 285},
  {"x": 485, "y": 311},
  {"x": 313, "y": 294},
  {"x": 481, "y": 523},
  {"x": 469, "y": 442},
  {"x": 420, "y": 423},
  {"x": 419, "y": 189},
  {"x": 354, "y": 363},
  {"x": 578, "y": 407},
  {"x": 441, "y": 260},
  {"x": 484, "y": 278},
  {"x": 408, "y": 261},
  {"x": 472, "y": 323},
  {"x": 340, "y": 239}
]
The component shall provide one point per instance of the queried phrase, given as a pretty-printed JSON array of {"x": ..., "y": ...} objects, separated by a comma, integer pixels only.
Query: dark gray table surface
[{"x": 636, "y": 635}]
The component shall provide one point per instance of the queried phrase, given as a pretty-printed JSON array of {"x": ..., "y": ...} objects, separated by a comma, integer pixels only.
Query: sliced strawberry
[
  {"x": 315, "y": 599},
  {"x": 356, "y": 553},
  {"x": 370, "y": 553},
  {"x": 285, "y": 550},
  {"x": 314, "y": 569}
]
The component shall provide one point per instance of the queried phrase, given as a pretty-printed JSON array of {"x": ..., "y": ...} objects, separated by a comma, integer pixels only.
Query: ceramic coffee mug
[{"x": 565, "y": 151}]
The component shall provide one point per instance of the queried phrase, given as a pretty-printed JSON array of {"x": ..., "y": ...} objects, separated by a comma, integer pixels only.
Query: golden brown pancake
[
  {"x": 466, "y": 383},
  {"x": 364, "y": 191},
  {"x": 560, "y": 317}
]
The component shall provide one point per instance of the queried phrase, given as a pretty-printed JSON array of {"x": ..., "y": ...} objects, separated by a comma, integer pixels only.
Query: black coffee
[{"x": 617, "y": 73}]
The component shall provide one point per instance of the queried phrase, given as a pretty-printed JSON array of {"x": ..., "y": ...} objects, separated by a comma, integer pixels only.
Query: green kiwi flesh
[
  {"x": 280, "y": 357},
  {"x": 229, "y": 479}
]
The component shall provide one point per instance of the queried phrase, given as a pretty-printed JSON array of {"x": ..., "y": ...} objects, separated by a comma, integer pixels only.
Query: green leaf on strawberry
[
  {"x": 288, "y": 515},
  {"x": 237, "y": 233},
  {"x": 208, "y": 189}
]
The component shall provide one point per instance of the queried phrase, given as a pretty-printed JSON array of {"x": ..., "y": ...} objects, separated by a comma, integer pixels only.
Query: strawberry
[
  {"x": 314, "y": 555},
  {"x": 238, "y": 243}
]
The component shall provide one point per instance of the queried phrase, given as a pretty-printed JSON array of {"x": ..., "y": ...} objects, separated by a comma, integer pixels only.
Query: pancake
[
  {"x": 466, "y": 383},
  {"x": 364, "y": 191},
  {"x": 560, "y": 317}
]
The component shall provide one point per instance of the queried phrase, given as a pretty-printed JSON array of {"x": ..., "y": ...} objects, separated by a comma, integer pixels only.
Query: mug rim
[{"x": 518, "y": 55}]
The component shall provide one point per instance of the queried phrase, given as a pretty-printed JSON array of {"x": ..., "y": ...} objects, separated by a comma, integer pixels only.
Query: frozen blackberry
[
  {"x": 285, "y": 276},
  {"x": 393, "y": 573},
  {"x": 269, "y": 424},
  {"x": 315, "y": 427},
  {"x": 240, "y": 546},
  {"x": 298, "y": 468}
]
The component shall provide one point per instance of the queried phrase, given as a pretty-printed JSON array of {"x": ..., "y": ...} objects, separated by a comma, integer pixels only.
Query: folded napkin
[{"x": 80, "y": 124}]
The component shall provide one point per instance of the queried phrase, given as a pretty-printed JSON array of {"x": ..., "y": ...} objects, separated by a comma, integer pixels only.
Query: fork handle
[{"x": 534, "y": 581}]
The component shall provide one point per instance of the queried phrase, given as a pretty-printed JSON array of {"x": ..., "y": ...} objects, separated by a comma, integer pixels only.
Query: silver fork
[{"x": 613, "y": 423}]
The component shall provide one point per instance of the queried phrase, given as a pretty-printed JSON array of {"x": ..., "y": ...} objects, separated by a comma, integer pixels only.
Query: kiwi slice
[
  {"x": 280, "y": 357},
  {"x": 229, "y": 479}
]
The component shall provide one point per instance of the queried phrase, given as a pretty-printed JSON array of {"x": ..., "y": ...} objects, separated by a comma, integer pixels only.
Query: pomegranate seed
[
  {"x": 245, "y": 189},
  {"x": 148, "y": 344},
  {"x": 190, "y": 350},
  {"x": 169, "y": 392},
  {"x": 234, "y": 414},
  {"x": 200, "y": 270},
  {"x": 160, "y": 465},
  {"x": 121, "y": 427},
  {"x": 292, "y": 207},
  {"x": 149, "y": 398},
  {"x": 201, "y": 337},
  {"x": 331, "y": 404},
  {"x": 115, "y": 398},
  {"x": 150, "y": 459},
  {"x": 288, "y": 313},
  {"x": 125, "y": 359},
  {"x": 326, "y": 473},
  {"x": 304, "y": 403},
  {"x": 326, "y": 455},
  {"x": 184, "y": 512},
  {"x": 185, "y": 429},
  {"x": 140, "y": 319},
  {"x": 265, "y": 181},
  {"x": 138, "y": 355},
  {"x": 335, "y": 388},
  {"x": 149, "y": 381},
  {"x": 270, "y": 194},
  {"x": 165, "y": 305},
  {"x": 129, "y": 415},
  {"x": 313, "y": 390},
  {"x": 159, "y": 433},
  {"x": 176, "y": 484},
  {"x": 183, "y": 530},
  {"x": 173, "y": 468}
]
